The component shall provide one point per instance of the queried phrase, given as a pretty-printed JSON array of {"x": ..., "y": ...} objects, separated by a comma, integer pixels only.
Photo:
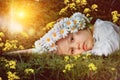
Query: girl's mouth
[{"x": 84, "y": 46}]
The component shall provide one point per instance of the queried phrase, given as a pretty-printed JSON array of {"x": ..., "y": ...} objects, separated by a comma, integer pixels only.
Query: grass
[{"x": 56, "y": 67}]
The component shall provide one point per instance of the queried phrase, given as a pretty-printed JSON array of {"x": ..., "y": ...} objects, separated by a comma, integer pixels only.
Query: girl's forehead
[
  {"x": 70, "y": 34},
  {"x": 63, "y": 39}
]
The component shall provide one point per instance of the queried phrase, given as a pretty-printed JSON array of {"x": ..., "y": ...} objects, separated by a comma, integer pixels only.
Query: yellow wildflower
[
  {"x": 69, "y": 67},
  {"x": 78, "y": 1},
  {"x": 64, "y": 71},
  {"x": 0, "y": 39},
  {"x": 2, "y": 34},
  {"x": 11, "y": 64},
  {"x": 8, "y": 46},
  {"x": 72, "y": 6},
  {"x": 94, "y": 7},
  {"x": 12, "y": 76},
  {"x": 115, "y": 16},
  {"x": 113, "y": 69},
  {"x": 21, "y": 47},
  {"x": 0, "y": 78},
  {"x": 63, "y": 10},
  {"x": 92, "y": 67},
  {"x": 86, "y": 10},
  {"x": 44, "y": 29},
  {"x": 84, "y": 57},
  {"x": 50, "y": 25},
  {"x": 88, "y": 54},
  {"x": 4, "y": 49},
  {"x": 84, "y": 2},
  {"x": 81, "y": 2},
  {"x": 29, "y": 71},
  {"x": 14, "y": 46},
  {"x": 66, "y": 1},
  {"x": 24, "y": 34},
  {"x": 14, "y": 41},
  {"x": 66, "y": 58},
  {"x": 3, "y": 59},
  {"x": 87, "y": 15},
  {"x": 1, "y": 44},
  {"x": 114, "y": 12},
  {"x": 76, "y": 57}
]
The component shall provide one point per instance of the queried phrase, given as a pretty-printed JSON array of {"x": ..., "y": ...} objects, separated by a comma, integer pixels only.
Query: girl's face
[{"x": 75, "y": 43}]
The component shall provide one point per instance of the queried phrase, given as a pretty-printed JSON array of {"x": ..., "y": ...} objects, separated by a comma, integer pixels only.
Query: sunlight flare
[
  {"x": 15, "y": 27},
  {"x": 21, "y": 14}
]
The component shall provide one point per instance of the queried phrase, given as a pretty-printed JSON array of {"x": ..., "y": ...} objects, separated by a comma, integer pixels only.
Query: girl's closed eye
[
  {"x": 71, "y": 38},
  {"x": 72, "y": 51}
]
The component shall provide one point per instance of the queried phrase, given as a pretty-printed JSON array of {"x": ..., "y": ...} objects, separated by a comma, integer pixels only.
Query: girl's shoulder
[
  {"x": 105, "y": 27},
  {"x": 101, "y": 24}
]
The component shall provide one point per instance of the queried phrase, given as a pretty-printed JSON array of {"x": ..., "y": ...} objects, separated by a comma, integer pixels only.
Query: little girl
[
  {"x": 74, "y": 35},
  {"x": 102, "y": 39}
]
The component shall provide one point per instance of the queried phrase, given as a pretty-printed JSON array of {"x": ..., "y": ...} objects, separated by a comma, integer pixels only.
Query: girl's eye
[
  {"x": 72, "y": 50},
  {"x": 72, "y": 38}
]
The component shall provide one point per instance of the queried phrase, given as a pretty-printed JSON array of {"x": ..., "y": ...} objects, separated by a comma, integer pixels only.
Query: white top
[{"x": 107, "y": 38}]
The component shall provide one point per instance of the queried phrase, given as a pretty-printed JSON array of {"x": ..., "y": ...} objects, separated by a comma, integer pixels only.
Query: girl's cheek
[{"x": 78, "y": 51}]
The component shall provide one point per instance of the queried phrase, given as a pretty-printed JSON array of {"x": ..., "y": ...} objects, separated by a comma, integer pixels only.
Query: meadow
[{"x": 24, "y": 22}]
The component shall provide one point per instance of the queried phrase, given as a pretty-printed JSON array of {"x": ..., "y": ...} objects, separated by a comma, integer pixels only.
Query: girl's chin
[{"x": 89, "y": 47}]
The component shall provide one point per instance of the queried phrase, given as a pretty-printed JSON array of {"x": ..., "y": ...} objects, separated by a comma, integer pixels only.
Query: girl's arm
[{"x": 20, "y": 51}]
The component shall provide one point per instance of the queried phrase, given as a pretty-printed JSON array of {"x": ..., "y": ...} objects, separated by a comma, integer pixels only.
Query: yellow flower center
[
  {"x": 68, "y": 22},
  {"x": 53, "y": 45},
  {"x": 48, "y": 39},
  {"x": 81, "y": 24},
  {"x": 72, "y": 28},
  {"x": 62, "y": 31},
  {"x": 54, "y": 35},
  {"x": 75, "y": 21}
]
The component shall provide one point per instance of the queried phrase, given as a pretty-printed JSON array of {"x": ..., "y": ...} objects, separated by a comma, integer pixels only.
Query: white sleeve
[
  {"x": 105, "y": 48},
  {"x": 108, "y": 39}
]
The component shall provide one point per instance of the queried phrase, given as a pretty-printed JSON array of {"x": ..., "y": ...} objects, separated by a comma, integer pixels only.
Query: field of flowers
[
  {"x": 37, "y": 22},
  {"x": 55, "y": 67}
]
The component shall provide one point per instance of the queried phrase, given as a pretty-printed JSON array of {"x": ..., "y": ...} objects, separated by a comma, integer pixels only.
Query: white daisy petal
[
  {"x": 64, "y": 32},
  {"x": 73, "y": 30},
  {"x": 53, "y": 47}
]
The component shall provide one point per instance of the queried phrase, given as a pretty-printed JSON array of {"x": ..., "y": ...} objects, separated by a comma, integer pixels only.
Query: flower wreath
[{"x": 60, "y": 30}]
